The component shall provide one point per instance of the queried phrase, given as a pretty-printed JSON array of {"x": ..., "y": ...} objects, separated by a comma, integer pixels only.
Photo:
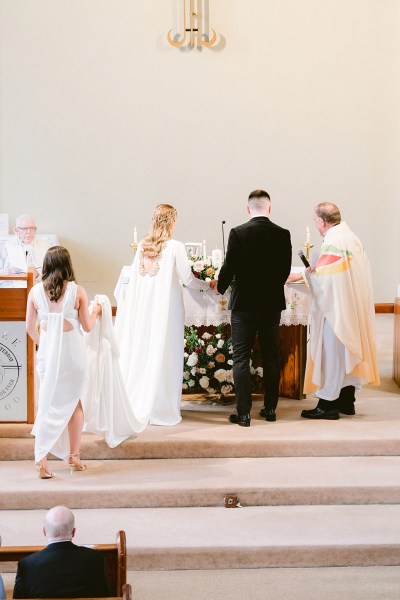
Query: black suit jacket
[
  {"x": 62, "y": 570},
  {"x": 258, "y": 260}
]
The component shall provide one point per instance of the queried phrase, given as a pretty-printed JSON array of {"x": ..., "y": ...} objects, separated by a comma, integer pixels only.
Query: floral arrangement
[
  {"x": 207, "y": 362},
  {"x": 204, "y": 268}
]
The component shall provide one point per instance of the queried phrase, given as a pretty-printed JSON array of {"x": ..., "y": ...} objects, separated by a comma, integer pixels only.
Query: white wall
[{"x": 100, "y": 119}]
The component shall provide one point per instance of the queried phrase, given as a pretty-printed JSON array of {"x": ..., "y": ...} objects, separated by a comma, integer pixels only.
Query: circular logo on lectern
[{"x": 9, "y": 371}]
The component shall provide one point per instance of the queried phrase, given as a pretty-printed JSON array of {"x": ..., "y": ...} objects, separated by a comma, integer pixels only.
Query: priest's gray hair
[
  {"x": 23, "y": 218},
  {"x": 328, "y": 212},
  {"x": 59, "y": 522}
]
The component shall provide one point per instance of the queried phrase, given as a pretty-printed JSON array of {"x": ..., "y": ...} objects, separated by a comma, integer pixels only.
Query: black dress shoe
[
  {"x": 321, "y": 413},
  {"x": 242, "y": 420},
  {"x": 347, "y": 410},
  {"x": 345, "y": 402},
  {"x": 268, "y": 414}
]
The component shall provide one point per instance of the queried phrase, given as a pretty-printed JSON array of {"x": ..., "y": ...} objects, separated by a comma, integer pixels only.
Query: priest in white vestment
[
  {"x": 342, "y": 349},
  {"x": 24, "y": 251}
]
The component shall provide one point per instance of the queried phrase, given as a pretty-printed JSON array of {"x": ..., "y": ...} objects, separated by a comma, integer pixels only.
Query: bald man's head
[{"x": 59, "y": 523}]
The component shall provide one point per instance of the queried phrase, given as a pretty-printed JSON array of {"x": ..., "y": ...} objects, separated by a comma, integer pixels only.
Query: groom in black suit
[
  {"x": 258, "y": 261},
  {"x": 62, "y": 569}
]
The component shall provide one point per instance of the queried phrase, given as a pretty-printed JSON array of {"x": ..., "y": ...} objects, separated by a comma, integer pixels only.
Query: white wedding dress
[
  {"x": 61, "y": 364},
  {"x": 106, "y": 407},
  {"x": 149, "y": 330}
]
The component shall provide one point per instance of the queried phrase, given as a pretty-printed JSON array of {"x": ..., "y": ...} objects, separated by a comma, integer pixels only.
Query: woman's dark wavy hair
[{"x": 57, "y": 269}]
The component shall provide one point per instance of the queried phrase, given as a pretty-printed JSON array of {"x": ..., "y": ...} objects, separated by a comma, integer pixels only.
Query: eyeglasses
[{"x": 24, "y": 229}]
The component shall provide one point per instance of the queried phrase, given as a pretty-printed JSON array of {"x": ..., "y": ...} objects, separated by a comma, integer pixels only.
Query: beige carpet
[{"x": 320, "y": 494}]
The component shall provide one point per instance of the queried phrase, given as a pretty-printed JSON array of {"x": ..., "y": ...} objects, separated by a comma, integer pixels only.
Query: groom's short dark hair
[{"x": 259, "y": 194}]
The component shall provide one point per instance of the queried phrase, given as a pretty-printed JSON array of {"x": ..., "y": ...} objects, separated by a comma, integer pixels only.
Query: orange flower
[
  {"x": 210, "y": 272},
  {"x": 220, "y": 358}
]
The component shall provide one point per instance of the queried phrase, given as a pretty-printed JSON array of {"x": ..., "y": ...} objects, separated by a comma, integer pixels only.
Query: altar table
[{"x": 209, "y": 309}]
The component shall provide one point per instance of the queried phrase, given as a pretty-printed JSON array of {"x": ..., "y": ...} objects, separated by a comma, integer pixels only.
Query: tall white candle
[
  {"x": 135, "y": 236},
  {"x": 204, "y": 249},
  {"x": 308, "y": 236}
]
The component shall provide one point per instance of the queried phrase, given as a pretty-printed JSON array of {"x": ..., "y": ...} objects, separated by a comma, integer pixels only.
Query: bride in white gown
[{"x": 149, "y": 326}]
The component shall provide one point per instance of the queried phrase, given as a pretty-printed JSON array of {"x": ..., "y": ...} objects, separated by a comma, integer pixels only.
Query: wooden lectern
[
  {"x": 396, "y": 342},
  {"x": 17, "y": 353}
]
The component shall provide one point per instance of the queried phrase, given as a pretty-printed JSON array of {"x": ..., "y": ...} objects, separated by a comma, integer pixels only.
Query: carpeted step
[
  {"x": 205, "y": 432},
  {"x": 219, "y": 538},
  {"x": 204, "y": 482}
]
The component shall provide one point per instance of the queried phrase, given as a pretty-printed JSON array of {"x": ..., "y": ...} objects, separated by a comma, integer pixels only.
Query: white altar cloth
[{"x": 208, "y": 308}]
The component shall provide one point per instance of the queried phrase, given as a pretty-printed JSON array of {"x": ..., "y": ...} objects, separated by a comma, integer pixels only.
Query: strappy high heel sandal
[
  {"x": 43, "y": 474},
  {"x": 75, "y": 463}
]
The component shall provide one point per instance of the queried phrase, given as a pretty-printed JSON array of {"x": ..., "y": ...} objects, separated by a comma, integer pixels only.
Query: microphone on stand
[
  {"x": 303, "y": 259},
  {"x": 223, "y": 236}
]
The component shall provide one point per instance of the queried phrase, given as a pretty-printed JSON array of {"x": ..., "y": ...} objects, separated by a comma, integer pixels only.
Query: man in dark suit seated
[
  {"x": 258, "y": 261},
  {"x": 62, "y": 569}
]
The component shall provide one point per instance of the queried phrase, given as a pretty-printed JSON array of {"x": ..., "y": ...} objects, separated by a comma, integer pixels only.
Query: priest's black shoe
[
  {"x": 321, "y": 413},
  {"x": 242, "y": 420},
  {"x": 268, "y": 414},
  {"x": 345, "y": 402}
]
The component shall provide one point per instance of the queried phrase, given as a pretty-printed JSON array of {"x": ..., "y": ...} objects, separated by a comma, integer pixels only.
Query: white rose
[
  {"x": 207, "y": 279},
  {"x": 226, "y": 389},
  {"x": 218, "y": 336},
  {"x": 230, "y": 350},
  {"x": 193, "y": 371},
  {"x": 220, "y": 375},
  {"x": 252, "y": 371},
  {"x": 185, "y": 354},
  {"x": 229, "y": 376},
  {"x": 211, "y": 390},
  {"x": 186, "y": 375},
  {"x": 202, "y": 342},
  {"x": 198, "y": 266},
  {"x": 220, "y": 343},
  {"x": 206, "y": 335},
  {"x": 184, "y": 386},
  {"x": 192, "y": 360},
  {"x": 191, "y": 383},
  {"x": 210, "y": 350},
  {"x": 202, "y": 371},
  {"x": 204, "y": 382},
  {"x": 260, "y": 371},
  {"x": 230, "y": 362}
]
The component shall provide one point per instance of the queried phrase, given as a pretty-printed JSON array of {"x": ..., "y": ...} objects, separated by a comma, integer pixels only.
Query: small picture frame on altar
[{"x": 194, "y": 249}]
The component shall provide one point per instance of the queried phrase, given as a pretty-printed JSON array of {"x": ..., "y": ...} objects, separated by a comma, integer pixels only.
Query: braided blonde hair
[{"x": 162, "y": 223}]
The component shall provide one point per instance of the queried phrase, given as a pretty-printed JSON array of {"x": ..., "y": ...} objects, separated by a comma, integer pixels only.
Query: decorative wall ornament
[{"x": 194, "y": 26}]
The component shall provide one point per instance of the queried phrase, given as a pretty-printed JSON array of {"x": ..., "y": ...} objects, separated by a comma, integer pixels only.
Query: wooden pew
[{"x": 114, "y": 560}]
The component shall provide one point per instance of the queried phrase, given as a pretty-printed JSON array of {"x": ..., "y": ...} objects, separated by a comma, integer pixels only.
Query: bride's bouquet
[{"x": 204, "y": 268}]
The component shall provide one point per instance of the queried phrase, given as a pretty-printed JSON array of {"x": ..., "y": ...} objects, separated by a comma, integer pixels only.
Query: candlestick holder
[
  {"x": 308, "y": 247},
  {"x": 134, "y": 246}
]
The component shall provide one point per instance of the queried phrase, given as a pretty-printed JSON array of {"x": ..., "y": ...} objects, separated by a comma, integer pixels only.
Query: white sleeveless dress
[
  {"x": 149, "y": 330},
  {"x": 61, "y": 365}
]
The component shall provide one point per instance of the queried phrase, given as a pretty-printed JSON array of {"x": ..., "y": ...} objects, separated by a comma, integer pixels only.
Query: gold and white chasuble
[{"x": 341, "y": 287}]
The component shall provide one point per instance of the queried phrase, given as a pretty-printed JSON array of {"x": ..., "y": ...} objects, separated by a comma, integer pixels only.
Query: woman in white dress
[
  {"x": 60, "y": 306},
  {"x": 150, "y": 321}
]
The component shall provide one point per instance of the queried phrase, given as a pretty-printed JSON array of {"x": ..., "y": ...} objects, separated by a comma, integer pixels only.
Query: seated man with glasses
[{"x": 25, "y": 250}]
